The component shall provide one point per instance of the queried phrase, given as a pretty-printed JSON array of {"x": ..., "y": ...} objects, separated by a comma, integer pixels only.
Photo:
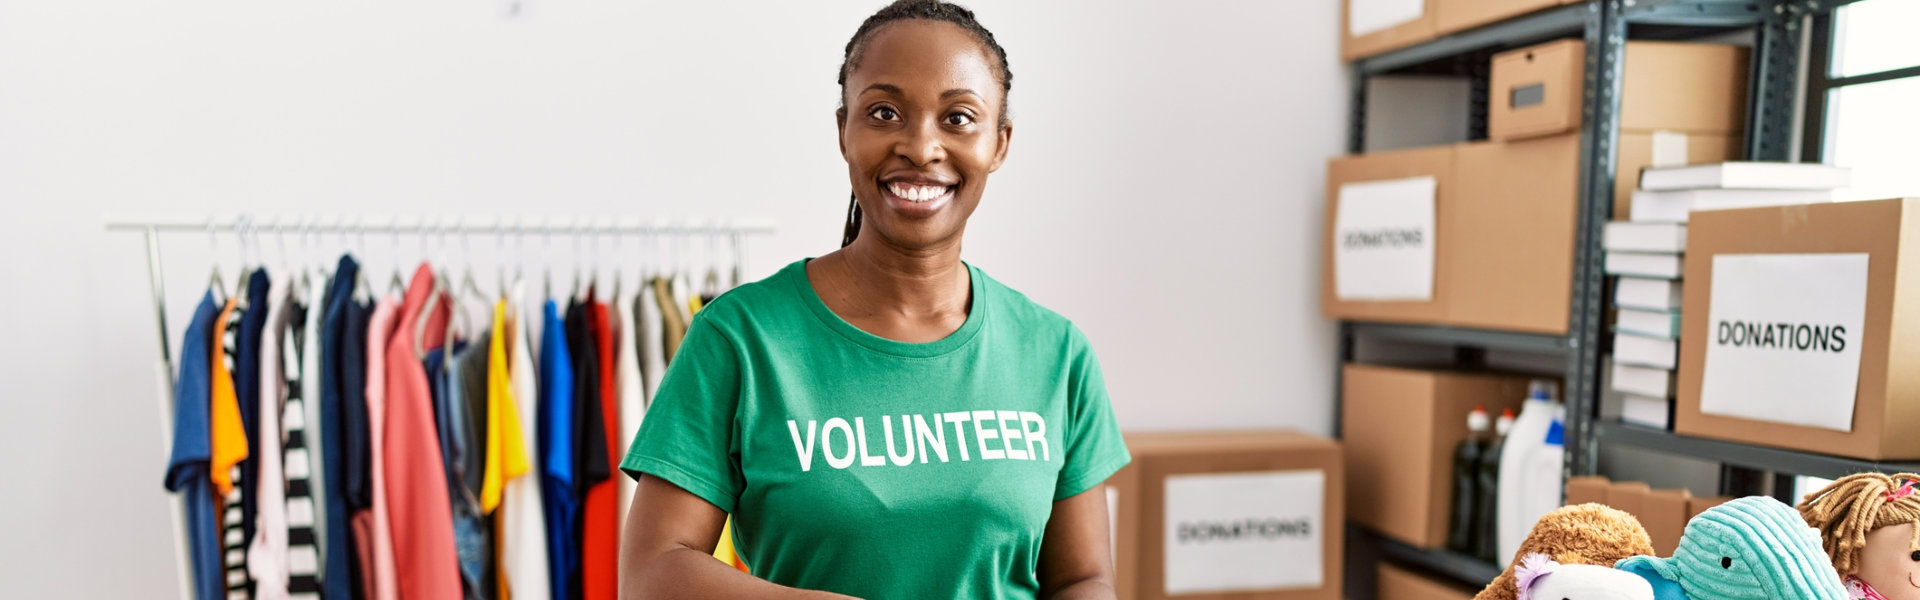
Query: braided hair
[
  {"x": 1848, "y": 509},
  {"x": 902, "y": 10}
]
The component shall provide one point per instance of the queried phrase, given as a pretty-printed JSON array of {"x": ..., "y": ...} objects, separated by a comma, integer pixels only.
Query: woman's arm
[
  {"x": 1076, "y": 556},
  {"x": 667, "y": 550}
]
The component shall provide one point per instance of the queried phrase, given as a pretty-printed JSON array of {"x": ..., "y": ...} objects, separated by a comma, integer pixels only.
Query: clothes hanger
[
  {"x": 215, "y": 282},
  {"x": 739, "y": 241},
  {"x": 710, "y": 288},
  {"x": 546, "y": 262},
  {"x": 468, "y": 285},
  {"x": 361, "y": 288},
  {"x": 436, "y": 287}
]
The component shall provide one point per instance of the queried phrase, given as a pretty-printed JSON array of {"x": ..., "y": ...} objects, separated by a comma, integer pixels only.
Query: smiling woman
[{"x": 1003, "y": 412}]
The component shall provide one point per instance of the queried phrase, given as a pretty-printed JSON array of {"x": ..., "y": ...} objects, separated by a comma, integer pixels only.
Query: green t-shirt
[{"x": 860, "y": 465}]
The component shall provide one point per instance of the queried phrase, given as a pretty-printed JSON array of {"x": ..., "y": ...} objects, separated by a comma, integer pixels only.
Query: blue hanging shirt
[{"x": 193, "y": 452}]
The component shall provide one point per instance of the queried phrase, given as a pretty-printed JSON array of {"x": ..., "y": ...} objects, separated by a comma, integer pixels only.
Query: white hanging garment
[
  {"x": 267, "y": 551},
  {"x": 652, "y": 334},
  {"x": 310, "y": 455},
  {"x": 632, "y": 397},
  {"x": 523, "y": 528}
]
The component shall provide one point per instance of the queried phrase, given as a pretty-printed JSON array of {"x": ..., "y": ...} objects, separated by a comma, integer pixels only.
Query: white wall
[{"x": 1164, "y": 190}]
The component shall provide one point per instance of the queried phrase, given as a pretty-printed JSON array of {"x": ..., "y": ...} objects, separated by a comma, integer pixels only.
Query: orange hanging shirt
[{"x": 229, "y": 434}]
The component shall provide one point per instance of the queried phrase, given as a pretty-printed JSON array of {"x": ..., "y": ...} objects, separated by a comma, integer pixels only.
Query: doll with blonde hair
[{"x": 1867, "y": 524}]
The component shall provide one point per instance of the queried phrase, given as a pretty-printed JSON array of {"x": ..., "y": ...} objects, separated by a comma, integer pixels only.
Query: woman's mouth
[
  {"x": 917, "y": 199},
  {"x": 918, "y": 193}
]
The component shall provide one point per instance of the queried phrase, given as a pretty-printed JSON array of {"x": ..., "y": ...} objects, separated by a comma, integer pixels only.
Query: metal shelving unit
[
  {"x": 1744, "y": 455},
  {"x": 1605, "y": 25}
]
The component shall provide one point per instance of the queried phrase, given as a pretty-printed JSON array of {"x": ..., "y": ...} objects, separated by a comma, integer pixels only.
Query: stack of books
[{"x": 1647, "y": 255}]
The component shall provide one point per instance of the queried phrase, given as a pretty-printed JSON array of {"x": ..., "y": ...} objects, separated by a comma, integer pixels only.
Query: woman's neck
[{"x": 905, "y": 294}]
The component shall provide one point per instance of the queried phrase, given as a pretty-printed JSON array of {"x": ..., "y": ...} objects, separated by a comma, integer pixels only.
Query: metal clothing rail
[{"x": 244, "y": 224}]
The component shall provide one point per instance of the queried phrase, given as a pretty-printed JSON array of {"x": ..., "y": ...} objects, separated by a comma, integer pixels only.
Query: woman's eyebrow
[
  {"x": 958, "y": 92},
  {"x": 885, "y": 87}
]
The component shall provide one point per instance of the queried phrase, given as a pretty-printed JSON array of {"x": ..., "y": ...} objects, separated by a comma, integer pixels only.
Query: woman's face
[{"x": 922, "y": 131}]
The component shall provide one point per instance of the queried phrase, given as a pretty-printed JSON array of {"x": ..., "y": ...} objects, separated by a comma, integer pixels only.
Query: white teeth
[{"x": 916, "y": 193}]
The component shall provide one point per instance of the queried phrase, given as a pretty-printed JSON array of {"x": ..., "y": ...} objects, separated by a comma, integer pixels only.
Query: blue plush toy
[{"x": 1754, "y": 548}]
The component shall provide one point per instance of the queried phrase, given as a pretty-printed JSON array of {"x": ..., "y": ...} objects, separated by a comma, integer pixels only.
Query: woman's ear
[
  {"x": 840, "y": 128},
  {"x": 1000, "y": 154}
]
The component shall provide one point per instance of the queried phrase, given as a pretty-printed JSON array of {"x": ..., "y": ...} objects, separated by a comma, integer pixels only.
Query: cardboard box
[
  {"x": 1684, "y": 86},
  {"x": 1503, "y": 233},
  {"x": 1507, "y": 238},
  {"x": 1399, "y": 35},
  {"x": 1886, "y": 399},
  {"x": 1399, "y": 428},
  {"x": 1664, "y": 513},
  {"x": 1677, "y": 86},
  {"x": 1627, "y": 495},
  {"x": 1591, "y": 488},
  {"x": 1637, "y": 151},
  {"x": 1456, "y": 15},
  {"x": 1695, "y": 506},
  {"x": 1400, "y": 584},
  {"x": 1434, "y": 162},
  {"x": 1241, "y": 515}
]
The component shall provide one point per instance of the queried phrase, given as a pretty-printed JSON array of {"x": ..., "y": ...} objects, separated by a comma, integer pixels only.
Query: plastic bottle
[
  {"x": 1530, "y": 467},
  {"x": 1466, "y": 473},
  {"x": 1487, "y": 490}
]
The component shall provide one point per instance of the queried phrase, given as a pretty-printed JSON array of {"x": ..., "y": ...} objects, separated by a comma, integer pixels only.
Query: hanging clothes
[
  {"x": 357, "y": 439},
  {"x": 600, "y": 538},
  {"x": 189, "y": 468},
  {"x": 522, "y": 523},
  {"x": 302, "y": 351},
  {"x": 590, "y": 448},
  {"x": 472, "y": 532},
  {"x": 229, "y": 449},
  {"x": 556, "y": 421},
  {"x": 417, "y": 497},
  {"x": 373, "y": 526},
  {"x": 337, "y": 572},
  {"x": 267, "y": 550},
  {"x": 652, "y": 338},
  {"x": 673, "y": 323},
  {"x": 247, "y": 383},
  {"x": 633, "y": 405},
  {"x": 506, "y": 452}
]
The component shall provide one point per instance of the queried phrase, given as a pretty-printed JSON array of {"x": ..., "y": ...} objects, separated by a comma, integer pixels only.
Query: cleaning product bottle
[
  {"x": 1487, "y": 490},
  {"x": 1530, "y": 469},
  {"x": 1466, "y": 471}
]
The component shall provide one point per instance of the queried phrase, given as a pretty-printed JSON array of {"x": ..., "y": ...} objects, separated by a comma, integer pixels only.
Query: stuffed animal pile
[{"x": 1749, "y": 549}]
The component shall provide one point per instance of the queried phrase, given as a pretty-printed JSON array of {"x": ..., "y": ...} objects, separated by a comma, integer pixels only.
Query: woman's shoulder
[
  {"x": 772, "y": 295},
  {"x": 1014, "y": 308}
]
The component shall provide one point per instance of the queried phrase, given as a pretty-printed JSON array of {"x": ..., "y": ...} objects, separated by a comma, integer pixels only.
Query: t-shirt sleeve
[
  {"x": 688, "y": 436},
  {"x": 1095, "y": 449}
]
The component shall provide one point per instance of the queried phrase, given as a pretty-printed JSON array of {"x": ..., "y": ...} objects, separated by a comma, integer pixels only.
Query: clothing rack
[{"x": 245, "y": 224}]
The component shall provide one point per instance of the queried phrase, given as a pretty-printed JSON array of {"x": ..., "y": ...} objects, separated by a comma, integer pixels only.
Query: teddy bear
[{"x": 1585, "y": 534}]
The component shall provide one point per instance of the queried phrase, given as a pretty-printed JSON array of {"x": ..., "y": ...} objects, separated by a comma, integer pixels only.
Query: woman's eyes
[{"x": 887, "y": 113}]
